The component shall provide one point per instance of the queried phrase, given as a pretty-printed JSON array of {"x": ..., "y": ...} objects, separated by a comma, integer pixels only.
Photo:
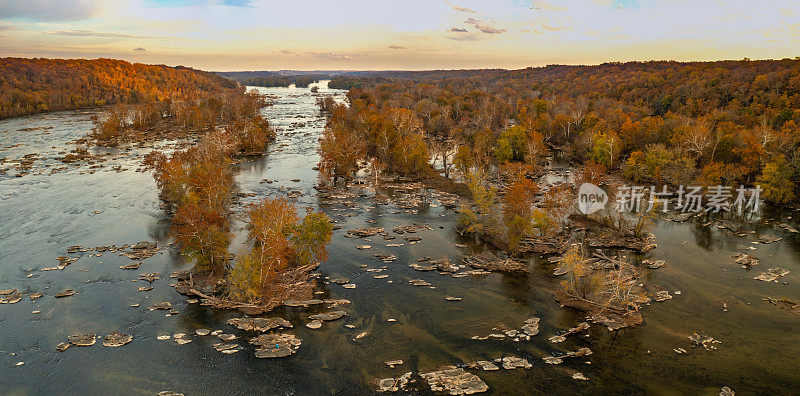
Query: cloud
[
  {"x": 460, "y": 9},
  {"x": 490, "y": 29},
  {"x": 465, "y": 37},
  {"x": 332, "y": 55},
  {"x": 139, "y": 49},
  {"x": 457, "y": 30},
  {"x": 50, "y": 10},
  {"x": 396, "y": 47},
  {"x": 286, "y": 52},
  {"x": 91, "y": 33},
  {"x": 483, "y": 27}
]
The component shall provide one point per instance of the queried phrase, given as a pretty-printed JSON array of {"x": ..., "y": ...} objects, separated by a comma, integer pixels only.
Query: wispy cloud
[
  {"x": 483, "y": 27},
  {"x": 91, "y": 33},
  {"x": 457, "y": 30},
  {"x": 396, "y": 47},
  {"x": 139, "y": 49},
  {"x": 332, "y": 55},
  {"x": 465, "y": 37},
  {"x": 460, "y": 9}
]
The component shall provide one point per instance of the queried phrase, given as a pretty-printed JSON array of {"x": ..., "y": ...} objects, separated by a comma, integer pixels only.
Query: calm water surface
[{"x": 43, "y": 214}]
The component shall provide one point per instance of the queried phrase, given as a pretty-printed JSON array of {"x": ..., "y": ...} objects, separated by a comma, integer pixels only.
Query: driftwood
[
  {"x": 292, "y": 286},
  {"x": 542, "y": 245},
  {"x": 495, "y": 264}
]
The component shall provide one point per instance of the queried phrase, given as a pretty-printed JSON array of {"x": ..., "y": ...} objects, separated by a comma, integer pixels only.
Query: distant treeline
[
  {"x": 756, "y": 88},
  {"x": 243, "y": 75},
  {"x": 30, "y": 86},
  {"x": 300, "y": 81}
]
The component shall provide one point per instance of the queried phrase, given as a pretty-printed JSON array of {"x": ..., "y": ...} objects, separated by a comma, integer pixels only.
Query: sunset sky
[{"x": 410, "y": 34}]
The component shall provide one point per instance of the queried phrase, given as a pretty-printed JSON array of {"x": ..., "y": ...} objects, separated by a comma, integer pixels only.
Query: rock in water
[
  {"x": 772, "y": 274},
  {"x": 87, "y": 339},
  {"x": 65, "y": 293},
  {"x": 726, "y": 391},
  {"x": 333, "y": 315},
  {"x": 314, "y": 324},
  {"x": 226, "y": 348},
  {"x": 116, "y": 339},
  {"x": 531, "y": 326},
  {"x": 305, "y": 303},
  {"x": 512, "y": 362},
  {"x": 662, "y": 295},
  {"x": 393, "y": 363},
  {"x": 487, "y": 365},
  {"x": 275, "y": 345},
  {"x": 259, "y": 324},
  {"x": 12, "y": 297},
  {"x": 455, "y": 381},
  {"x": 227, "y": 337},
  {"x": 394, "y": 384},
  {"x": 164, "y": 305},
  {"x": 579, "y": 376},
  {"x": 133, "y": 266}
]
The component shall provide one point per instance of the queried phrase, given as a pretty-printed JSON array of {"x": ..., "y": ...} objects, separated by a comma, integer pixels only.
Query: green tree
[{"x": 776, "y": 181}]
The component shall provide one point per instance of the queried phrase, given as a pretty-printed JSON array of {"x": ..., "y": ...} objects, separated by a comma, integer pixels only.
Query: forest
[
  {"x": 726, "y": 122},
  {"x": 29, "y": 86}
]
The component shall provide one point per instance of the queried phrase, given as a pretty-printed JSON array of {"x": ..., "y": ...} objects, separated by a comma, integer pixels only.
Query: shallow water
[{"x": 43, "y": 214}]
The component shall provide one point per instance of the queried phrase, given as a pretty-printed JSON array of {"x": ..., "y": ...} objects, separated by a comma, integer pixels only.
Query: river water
[{"x": 43, "y": 214}]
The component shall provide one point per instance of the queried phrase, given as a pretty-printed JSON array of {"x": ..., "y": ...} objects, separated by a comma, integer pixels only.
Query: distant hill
[{"x": 30, "y": 86}]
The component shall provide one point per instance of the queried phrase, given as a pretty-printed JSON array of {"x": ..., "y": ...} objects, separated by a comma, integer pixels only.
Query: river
[{"x": 43, "y": 214}]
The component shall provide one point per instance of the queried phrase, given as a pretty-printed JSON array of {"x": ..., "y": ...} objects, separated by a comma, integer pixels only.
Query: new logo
[{"x": 591, "y": 198}]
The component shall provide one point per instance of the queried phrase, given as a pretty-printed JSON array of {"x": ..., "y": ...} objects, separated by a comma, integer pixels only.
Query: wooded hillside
[{"x": 30, "y": 86}]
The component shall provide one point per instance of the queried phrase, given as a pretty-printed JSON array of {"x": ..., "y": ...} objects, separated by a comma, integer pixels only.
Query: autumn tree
[
  {"x": 482, "y": 217},
  {"x": 282, "y": 241},
  {"x": 606, "y": 147},
  {"x": 510, "y": 145},
  {"x": 518, "y": 203},
  {"x": 535, "y": 149},
  {"x": 198, "y": 184},
  {"x": 253, "y": 134},
  {"x": 340, "y": 150},
  {"x": 776, "y": 181}
]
